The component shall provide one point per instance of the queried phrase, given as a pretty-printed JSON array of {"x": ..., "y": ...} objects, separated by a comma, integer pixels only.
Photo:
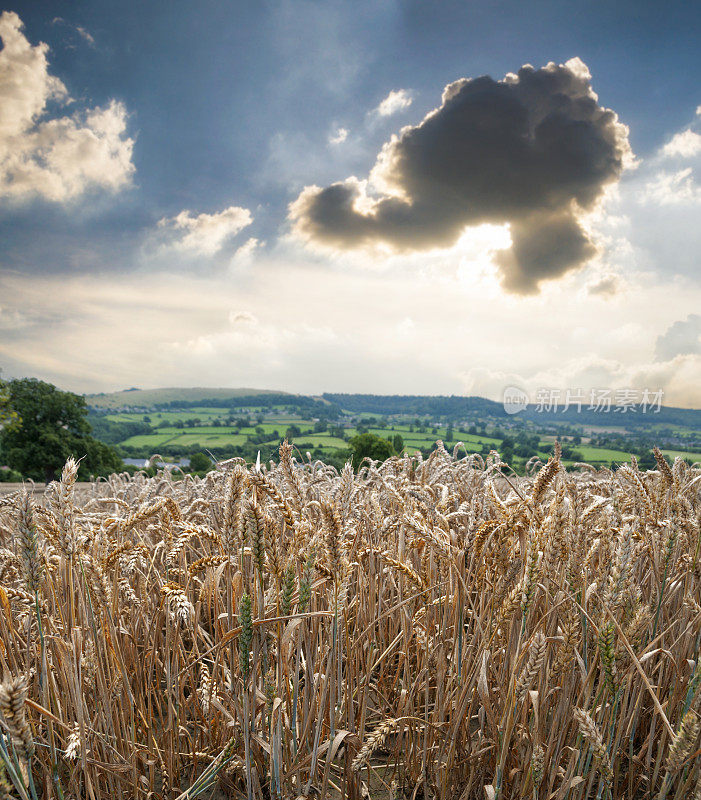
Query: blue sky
[{"x": 180, "y": 133}]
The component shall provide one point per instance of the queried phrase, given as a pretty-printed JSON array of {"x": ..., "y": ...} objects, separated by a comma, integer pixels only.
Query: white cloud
[
  {"x": 681, "y": 338},
  {"x": 84, "y": 33},
  {"x": 207, "y": 233},
  {"x": 648, "y": 224},
  {"x": 673, "y": 188},
  {"x": 339, "y": 136},
  {"x": 247, "y": 249},
  {"x": 677, "y": 378},
  {"x": 89, "y": 38},
  {"x": 292, "y": 324},
  {"x": 397, "y": 100},
  {"x": 60, "y": 158},
  {"x": 684, "y": 144}
]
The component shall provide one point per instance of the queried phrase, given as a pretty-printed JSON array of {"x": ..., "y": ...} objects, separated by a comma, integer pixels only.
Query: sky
[{"x": 379, "y": 197}]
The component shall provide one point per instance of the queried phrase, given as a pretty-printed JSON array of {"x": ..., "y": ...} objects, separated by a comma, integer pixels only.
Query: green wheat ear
[
  {"x": 288, "y": 588},
  {"x": 246, "y": 635}
]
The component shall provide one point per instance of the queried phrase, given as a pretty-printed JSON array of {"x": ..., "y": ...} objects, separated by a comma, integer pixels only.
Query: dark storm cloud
[
  {"x": 681, "y": 338},
  {"x": 534, "y": 150}
]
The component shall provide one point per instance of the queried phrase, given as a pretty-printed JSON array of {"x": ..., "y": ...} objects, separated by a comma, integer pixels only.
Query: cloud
[
  {"x": 244, "y": 256},
  {"x": 534, "y": 150},
  {"x": 79, "y": 29},
  {"x": 678, "y": 379},
  {"x": 25, "y": 83},
  {"x": 684, "y": 144},
  {"x": 242, "y": 318},
  {"x": 672, "y": 189},
  {"x": 339, "y": 136},
  {"x": 648, "y": 222},
  {"x": 247, "y": 249},
  {"x": 397, "y": 100},
  {"x": 207, "y": 233},
  {"x": 680, "y": 339},
  {"x": 605, "y": 286},
  {"x": 59, "y": 158},
  {"x": 200, "y": 333},
  {"x": 89, "y": 38}
]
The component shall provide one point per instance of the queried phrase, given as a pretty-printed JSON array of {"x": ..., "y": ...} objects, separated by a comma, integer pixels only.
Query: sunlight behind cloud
[
  {"x": 296, "y": 327},
  {"x": 494, "y": 151}
]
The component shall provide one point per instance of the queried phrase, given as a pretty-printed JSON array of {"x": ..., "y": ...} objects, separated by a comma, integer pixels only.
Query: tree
[
  {"x": 368, "y": 445},
  {"x": 199, "y": 462},
  {"x": 8, "y": 416},
  {"x": 337, "y": 431},
  {"x": 54, "y": 426},
  {"x": 398, "y": 443}
]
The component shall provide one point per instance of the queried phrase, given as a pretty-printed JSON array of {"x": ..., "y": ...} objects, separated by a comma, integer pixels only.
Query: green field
[
  {"x": 148, "y": 440},
  {"x": 208, "y": 436},
  {"x": 683, "y": 453},
  {"x": 205, "y": 430},
  {"x": 319, "y": 440},
  {"x": 268, "y": 425},
  {"x": 602, "y": 454},
  {"x": 170, "y": 416},
  {"x": 186, "y": 439}
]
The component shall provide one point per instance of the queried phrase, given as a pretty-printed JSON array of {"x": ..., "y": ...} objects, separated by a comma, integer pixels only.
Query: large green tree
[
  {"x": 368, "y": 445},
  {"x": 53, "y": 427},
  {"x": 200, "y": 462},
  {"x": 8, "y": 416}
]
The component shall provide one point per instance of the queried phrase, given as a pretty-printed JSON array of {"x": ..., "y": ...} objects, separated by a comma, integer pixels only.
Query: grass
[
  {"x": 693, "y": 457},
  {"x": 320, "y": 440},
  {"x": 426, "y": 628},
  {"x": 149, "y": 439},
  {"x": 602, "y": 454},
  {"x": 200, "y": 430},
  {"x": 213, "y": 438},
  {"x": 209, "y": 440}
]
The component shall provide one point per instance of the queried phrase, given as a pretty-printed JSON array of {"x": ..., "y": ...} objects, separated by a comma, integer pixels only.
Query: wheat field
[{"x": 425, "y": 628}]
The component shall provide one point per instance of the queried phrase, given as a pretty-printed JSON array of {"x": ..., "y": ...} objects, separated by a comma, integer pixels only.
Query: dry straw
[{"x": 425, "y": 624}]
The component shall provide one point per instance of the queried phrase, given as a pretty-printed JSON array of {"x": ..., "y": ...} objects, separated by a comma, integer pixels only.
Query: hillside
[{"x": 146, "y": 398}]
